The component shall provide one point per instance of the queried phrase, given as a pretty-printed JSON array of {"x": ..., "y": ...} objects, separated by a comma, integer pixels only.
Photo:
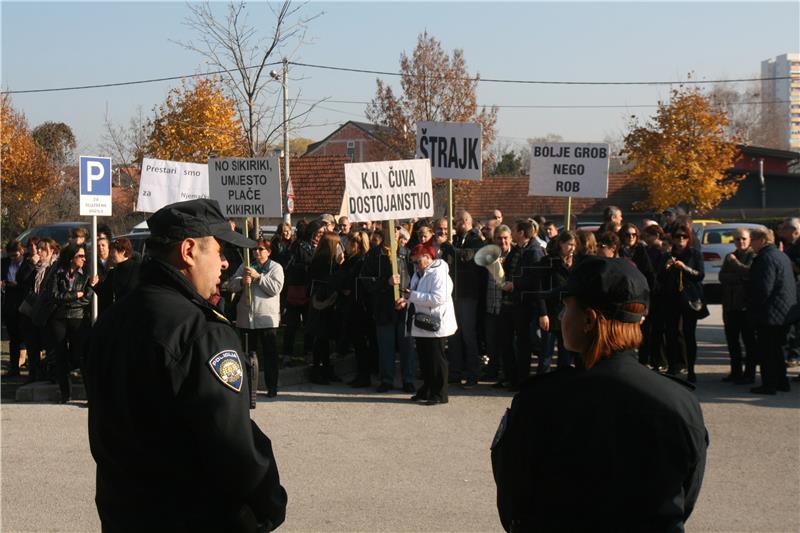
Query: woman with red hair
[
  {"x": 628, "y": 442},
  {"x": 430, "y": 318}
]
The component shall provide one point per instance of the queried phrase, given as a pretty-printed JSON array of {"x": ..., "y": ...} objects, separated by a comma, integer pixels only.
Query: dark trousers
[
  {"x": 680, "y": 330},
  {"x": 494, "y": 345},
  {"x": 294, "y": 317},
  {"x": 736, "y": 326},
  {"x": 356, "y": 332},
  {"x": 463, "y": 345},
  {"x": 773, "y": 367},
  {"x": 515, "y": 323},
  {"x": 34, "y": 343},
  {"x": 67, "y": 336},
  {"x": 433, "y": 366},
  {"x": 655, "y": 325},
  {"x": 268, "y": 356},
  {"x": 11, "y": 318}
]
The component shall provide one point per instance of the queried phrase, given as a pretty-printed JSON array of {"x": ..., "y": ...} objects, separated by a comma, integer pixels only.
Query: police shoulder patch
[{"x": 227, "y": 367}]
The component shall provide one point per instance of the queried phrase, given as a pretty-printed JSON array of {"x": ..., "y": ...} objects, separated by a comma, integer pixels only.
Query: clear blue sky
[{"x": 63, "y": 44}]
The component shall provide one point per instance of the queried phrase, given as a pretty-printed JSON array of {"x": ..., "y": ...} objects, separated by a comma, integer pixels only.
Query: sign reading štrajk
[
  {"x": 579, "y": 170},
  {"x": 246, "y": 187},
  {"x": 388, "y": 190},
  {"x": 454, "y": 148},
  {"x": 166, "y": 182}
]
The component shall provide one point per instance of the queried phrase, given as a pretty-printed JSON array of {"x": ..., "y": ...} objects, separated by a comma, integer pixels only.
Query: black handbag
[{"x": 427, "y": 322}]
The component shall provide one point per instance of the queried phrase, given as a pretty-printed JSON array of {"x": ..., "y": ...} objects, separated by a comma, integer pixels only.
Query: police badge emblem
[{"x": 227, "y": 366}]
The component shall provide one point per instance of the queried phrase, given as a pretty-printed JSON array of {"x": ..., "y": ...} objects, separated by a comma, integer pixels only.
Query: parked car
[
  {"x": 716, "y": 241},
  {"x": 58, "y": 231},
  {"x": 140, "y": 227},
  {"x": 587, "y": 226},
  {"x": 138, "y": 240}
]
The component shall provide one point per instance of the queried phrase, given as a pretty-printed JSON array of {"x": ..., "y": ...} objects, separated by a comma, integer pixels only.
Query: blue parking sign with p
[{"x": 96, "y": 176}]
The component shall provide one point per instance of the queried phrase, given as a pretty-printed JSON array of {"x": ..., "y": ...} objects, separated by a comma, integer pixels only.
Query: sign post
[
  {"x": 569, "y": 170},
  {"x": 389, "y": 190},
  {"x": 95, "y": 199}
]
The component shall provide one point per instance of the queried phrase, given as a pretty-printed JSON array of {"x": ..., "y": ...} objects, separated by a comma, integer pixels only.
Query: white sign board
[
  {"x": 454, "y": 149},
  {"x": 166, "y": 182},
  {"x": 388, "y": 190},
  {"x": 246, "y": 187},
  {"x": 95, "y": 186},
  {"x": 579, "y": 170}
]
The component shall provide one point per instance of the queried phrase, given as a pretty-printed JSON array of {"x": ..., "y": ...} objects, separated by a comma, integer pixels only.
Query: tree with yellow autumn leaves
[
  {"x": 682, "y": 154},
  {"x": 27, "y": 174},
  {"x": 196, "y": 120}
]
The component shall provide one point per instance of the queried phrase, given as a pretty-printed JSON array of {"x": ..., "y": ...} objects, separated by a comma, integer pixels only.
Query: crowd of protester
[{"x": 441, "y": 316}]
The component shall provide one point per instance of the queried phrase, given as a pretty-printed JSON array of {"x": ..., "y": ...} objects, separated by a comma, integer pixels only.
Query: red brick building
[
  {"x": 358, "y": 141},
  {"x": 510, "y": 195}
]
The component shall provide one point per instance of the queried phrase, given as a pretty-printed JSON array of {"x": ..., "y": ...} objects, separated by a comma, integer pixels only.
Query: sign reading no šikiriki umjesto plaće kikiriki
[
  {"x": 246, "y": 187},
  {"x": 388, "y": 190}
]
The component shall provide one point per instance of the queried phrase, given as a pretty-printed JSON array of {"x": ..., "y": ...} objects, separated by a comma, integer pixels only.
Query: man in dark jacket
[
  {"x": 734, "y": 276},
  {"x": 469, "y": 284},
  {"x": 169, "y": 423},
  {"x": 520, "y": 297},
  {"x": 771, "y": 294}
]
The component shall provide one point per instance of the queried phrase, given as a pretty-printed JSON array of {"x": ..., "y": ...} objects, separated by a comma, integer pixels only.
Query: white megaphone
[{"x": 489, "y": 257}]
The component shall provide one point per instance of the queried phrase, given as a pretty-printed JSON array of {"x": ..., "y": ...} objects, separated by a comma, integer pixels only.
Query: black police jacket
[
  {"x": 169, "y": 423},
  {"x": 613, "y": 448}
]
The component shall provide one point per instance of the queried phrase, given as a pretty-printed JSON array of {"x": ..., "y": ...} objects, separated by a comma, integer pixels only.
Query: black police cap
[
  {"x": 607, "y": 285},
  {"x": 194, "y": 218}
]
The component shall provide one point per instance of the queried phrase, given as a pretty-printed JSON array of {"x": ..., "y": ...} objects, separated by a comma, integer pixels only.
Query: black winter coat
[
  {"x": 553, "y": 273},
  {"x": 470, "y": 279},
  {"x": 631, "y": 440},
  {"x": 63, "y": 289},
  {"x": 169, "y": 421},
  {"x": 678, "y": 286},
  {"x": 521, "y": 268},
  {"x": 376, "y": 272},
  {"x": 638, "y": 254},
  {"x": 772, "y": 290}
]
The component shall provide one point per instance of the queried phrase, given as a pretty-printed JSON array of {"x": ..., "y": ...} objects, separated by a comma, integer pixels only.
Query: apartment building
[{"x": 786, "y": 95}]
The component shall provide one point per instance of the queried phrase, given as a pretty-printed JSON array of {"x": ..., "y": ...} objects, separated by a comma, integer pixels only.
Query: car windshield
[{"x": 718, "y": 236}]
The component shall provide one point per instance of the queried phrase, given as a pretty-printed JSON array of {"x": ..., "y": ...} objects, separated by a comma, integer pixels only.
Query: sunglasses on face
[
  {"x": 441, "y": 231},
  {"x": 740, "y": 238},
  {"x": 682, "y": 237},
  {"x": 632, "y": 235},
  {"x": 261, "y": 249},
  {"x": 81, "y": 256}
]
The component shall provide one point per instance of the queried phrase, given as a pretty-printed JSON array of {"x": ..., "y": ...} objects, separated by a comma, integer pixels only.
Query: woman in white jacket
[
  {"x": 261, "y": 317},
  {"x": 430, "y": 318}
]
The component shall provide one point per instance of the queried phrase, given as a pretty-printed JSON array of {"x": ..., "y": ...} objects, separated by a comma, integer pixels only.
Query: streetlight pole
[{"x": 284, "y": 78}]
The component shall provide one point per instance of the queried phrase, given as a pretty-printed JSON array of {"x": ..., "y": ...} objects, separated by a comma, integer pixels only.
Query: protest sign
[
  {"x": 166, "y": 182},
  {"x": 454, "y": 149},
  {"x": 578, "y": 170},
  {"x": 246, "y": 187},
  {"x": 388, "y": 190}
]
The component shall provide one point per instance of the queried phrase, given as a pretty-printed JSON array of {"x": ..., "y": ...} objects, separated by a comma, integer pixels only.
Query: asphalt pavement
[{"x": 363, "y": 461}]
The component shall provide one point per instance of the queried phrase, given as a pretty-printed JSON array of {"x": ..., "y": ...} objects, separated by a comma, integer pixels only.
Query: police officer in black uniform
[
  {"x": 615, "y": 447},
  {"x": 169, "y": 423}
]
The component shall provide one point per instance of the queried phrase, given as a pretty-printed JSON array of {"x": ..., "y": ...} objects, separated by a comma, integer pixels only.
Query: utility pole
[{"x": 284, "y": 79}]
